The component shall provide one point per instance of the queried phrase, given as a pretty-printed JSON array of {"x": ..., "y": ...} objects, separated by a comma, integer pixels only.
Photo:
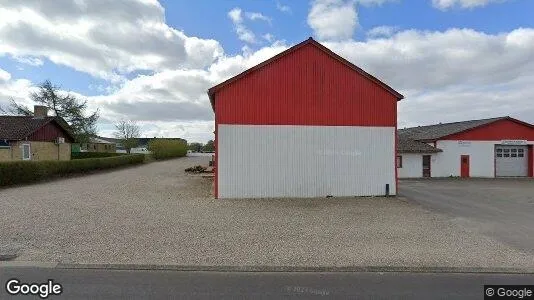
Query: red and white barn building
[
  {"x": 496, "y": 147},
  {"x": 305, "y": 123}
]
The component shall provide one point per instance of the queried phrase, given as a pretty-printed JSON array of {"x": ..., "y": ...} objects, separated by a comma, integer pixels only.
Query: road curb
[
  {"x": 360, "y": 269},
  {"x": 28, "y": 264}
]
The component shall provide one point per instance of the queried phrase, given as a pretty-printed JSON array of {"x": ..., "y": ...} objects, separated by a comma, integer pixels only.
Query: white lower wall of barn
[
  {"x": 412, "y": 165},
  {"x": 304, "y": 161}
]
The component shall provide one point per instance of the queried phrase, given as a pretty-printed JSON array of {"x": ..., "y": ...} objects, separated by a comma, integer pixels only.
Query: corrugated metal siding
[
  {"x": 306, "y": 87},
  {"x": 304, "y": 161},
  {"x": 48, "y": 133},
  {"x": 530, "y": 161},
  {"x": 499, "y": 130}
]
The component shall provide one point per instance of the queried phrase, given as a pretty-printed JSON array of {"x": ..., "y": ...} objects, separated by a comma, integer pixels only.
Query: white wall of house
[
  {"x": 412, "y": 165},
  {"x": 481, "y": 155},
  {"x": 305, "y": 161}
]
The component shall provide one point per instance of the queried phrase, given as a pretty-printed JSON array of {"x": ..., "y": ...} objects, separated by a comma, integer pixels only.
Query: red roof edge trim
[
  {"x": 483, "y": 125},
  {"x": 213, "y": 90}
]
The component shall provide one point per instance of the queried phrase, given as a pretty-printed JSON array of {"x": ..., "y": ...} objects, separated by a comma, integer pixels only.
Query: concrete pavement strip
[{"x": 274, "y": 269}]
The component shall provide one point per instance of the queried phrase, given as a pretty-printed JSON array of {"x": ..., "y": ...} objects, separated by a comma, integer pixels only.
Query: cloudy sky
[{"x": 153, "y": 61}]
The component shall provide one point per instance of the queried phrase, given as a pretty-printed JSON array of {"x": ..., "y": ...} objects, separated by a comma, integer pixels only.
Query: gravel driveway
[{"x": 156, "y": 214}]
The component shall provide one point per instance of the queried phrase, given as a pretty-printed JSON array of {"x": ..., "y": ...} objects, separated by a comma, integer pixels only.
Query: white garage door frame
[{"x": 511, "y": 160}]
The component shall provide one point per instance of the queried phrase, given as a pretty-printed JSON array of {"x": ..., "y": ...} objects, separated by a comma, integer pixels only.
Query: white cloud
[
  {"x": 382, "y": 31},
  {"x": 28, "y": 60},
  {"x": 268, "y": 37},
  {"x": 425, "y": 60},
  {"x": 18, "y": 90},
  {"x": 4, "y": 75},
  {"x": 374, "y": 2},
  {"x": 446, "y": 4},
  {"x": 333, "y": 19},
  {"x": 283, "y": 8},
  {"x": 236, "y": 15},
  {"x": 100, "y": 37},
  {"x": 255, "y": 16},
  {"x": 243, "y": 33}
]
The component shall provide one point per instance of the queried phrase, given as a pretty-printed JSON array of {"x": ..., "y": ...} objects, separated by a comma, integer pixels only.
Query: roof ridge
[{"x": 448, "y": 123}]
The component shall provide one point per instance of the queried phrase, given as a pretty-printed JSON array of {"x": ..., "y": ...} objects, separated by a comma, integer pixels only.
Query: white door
[
  {"x": 26, "y": 153},
  {"x": 511, "y": 161}
]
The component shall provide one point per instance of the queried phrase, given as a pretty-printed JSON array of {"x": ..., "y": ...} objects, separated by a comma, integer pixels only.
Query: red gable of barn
[{"x": 305, "y": 85}]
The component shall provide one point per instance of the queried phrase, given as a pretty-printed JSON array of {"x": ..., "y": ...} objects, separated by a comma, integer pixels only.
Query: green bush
[
  {"x": 17, "y": 172},
  {"x": 163, "y": 148},
  {"x": 84, "y": 155}
]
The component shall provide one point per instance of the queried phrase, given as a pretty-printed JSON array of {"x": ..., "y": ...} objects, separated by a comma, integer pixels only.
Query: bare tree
[{"x": 128, "y": 132}]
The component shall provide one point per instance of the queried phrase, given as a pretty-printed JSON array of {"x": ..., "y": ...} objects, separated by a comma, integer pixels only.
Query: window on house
[
  {"x": 94, "y": 146},
  {"x": 26, "y": 155},
  {"x": 399, "y": 161}
]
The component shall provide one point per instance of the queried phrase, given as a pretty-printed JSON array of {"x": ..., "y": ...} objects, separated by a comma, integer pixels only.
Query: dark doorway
[{"x": 426, "y": 165}]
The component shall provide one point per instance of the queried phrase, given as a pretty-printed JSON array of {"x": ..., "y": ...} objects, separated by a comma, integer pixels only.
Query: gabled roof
[
  {"x": 108, "y": 139},
  {"x": 213, "y": 90},
  {"x": 437, "y": 131},
  {"x": 407, "y": 145},
  {"x": 20, "y": 127},
  {"x": 141, "y": 141},
  {"x": 97, "y": 140}
]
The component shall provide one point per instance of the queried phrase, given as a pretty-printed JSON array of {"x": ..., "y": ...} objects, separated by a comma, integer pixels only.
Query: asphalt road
[
  {"x": 115, "y": 284},
  {"x": 500, "y": 208}
]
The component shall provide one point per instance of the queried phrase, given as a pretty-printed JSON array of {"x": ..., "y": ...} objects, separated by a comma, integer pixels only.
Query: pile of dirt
[{"x": 196, "y": 169}]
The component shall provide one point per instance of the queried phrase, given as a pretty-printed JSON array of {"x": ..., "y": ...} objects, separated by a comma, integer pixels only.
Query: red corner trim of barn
[
  {"x": 212, "y": 91},
  {"x": 503, "y": 128},
  {"x": 530, "y": 161}
]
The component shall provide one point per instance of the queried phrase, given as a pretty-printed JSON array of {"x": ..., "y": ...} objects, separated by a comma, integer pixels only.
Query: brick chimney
[{"x": 40, "y": 111}]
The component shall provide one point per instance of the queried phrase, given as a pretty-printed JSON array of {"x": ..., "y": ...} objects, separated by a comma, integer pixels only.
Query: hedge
[
  {"x": 18, "y": 172},
  {"x": 83, "y": 155},
  {"x": 163, "y": 148}
]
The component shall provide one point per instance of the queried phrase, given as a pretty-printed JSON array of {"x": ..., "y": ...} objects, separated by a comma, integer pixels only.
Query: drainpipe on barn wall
[{"x": 530, "y": 160}]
